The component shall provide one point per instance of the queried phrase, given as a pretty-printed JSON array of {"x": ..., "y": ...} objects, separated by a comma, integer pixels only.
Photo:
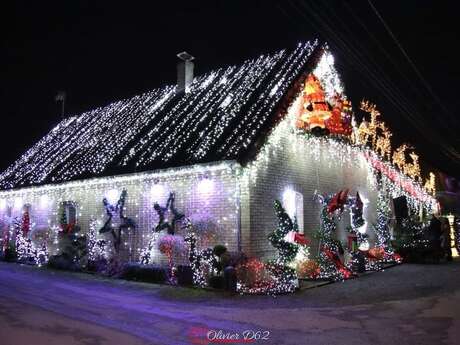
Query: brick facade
[
  {"x": 291, "y": 161},
  {"x": 215, "y": 204}
]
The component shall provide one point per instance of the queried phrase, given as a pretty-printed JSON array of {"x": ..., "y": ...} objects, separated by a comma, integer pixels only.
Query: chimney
[{"x": 184, "y": 71}]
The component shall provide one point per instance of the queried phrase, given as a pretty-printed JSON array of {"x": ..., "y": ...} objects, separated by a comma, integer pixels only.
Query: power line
[
  {"x": 411, "y": 63},
  {"x": 378, "y": 79}
]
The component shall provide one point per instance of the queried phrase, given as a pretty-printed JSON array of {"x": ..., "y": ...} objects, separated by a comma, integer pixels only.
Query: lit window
[{"x": 293, "y": 204}]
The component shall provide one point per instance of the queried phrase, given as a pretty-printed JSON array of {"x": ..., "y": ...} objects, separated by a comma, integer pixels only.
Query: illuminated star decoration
[
  {"x": 163, "y": 223},
  {"x": 116, "y": 220}
]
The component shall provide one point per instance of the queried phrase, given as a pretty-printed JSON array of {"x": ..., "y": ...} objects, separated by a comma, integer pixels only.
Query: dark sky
[{"x": 101, "y": 51}]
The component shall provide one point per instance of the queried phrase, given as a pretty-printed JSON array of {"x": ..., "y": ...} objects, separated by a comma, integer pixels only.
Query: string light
[
  {"x": 221, "y": 116},
  {"x": 430, "y": 184}
]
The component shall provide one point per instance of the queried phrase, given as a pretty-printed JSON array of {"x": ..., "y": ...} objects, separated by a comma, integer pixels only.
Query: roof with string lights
[{"x": 225, "y": 115}]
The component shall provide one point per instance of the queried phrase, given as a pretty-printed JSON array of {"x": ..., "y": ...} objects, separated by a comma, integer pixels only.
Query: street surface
[{"x": 407, "y": 304}]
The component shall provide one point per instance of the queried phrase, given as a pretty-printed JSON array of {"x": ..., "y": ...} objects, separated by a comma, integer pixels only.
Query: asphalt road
[{"x": 408, "y": 304}]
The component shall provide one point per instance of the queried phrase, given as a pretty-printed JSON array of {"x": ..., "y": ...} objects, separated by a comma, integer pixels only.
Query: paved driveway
[{"x": 408, "y": 304}]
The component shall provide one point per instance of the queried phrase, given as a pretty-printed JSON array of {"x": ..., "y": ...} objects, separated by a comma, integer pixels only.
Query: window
[
  {"x": 293, "y": 204},
  {"x": 70, "y": 212}
]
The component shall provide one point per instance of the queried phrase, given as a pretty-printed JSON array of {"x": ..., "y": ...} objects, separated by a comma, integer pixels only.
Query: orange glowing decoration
[
  {"x": 340, "y": 120},
  {"x": 315, "y": 110}
]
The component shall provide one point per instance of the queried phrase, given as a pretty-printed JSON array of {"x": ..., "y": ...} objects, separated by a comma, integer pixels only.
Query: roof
[{"x": 226, "y": 115}]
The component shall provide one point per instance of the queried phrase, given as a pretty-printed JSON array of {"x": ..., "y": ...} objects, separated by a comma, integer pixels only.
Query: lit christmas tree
[
  {"x": 25, "y": 249},
  {"x": 330, "y": 264},
  {"x": 286, "y": 250},
  {"x": 96, "y": 247},
  {"x": 284, "y": 276},
  {"x": 382, "y": 229}
]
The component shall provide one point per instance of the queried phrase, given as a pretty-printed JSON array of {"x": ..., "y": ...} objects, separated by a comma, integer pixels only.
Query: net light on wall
[
  {"x": 44, "y": 201},
  {"x": 157, "y": 192},
  {"x": 112, "y": 196},
  {"x": 205, "y": 186},
  {"x": 18, "y": 203}
]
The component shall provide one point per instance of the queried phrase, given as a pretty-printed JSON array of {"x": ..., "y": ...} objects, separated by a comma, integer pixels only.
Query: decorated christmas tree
[
  {"x": 284, "y": 275},
  {"x": 330, "y": 264},
  {"x": 358, "y": 222},
  {"x": 25, "y": 249},
  {"x": 382, "y": 229},
  {"x": 96, "y": 247},
  {"x": 286, "y": 250}
]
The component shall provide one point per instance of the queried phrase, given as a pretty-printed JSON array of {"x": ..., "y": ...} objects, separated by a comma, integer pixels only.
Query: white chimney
[{"x": 184, "y": 71}]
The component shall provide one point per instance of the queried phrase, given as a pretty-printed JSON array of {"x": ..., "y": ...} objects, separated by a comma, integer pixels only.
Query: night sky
[{"x": 100, "y": 52}]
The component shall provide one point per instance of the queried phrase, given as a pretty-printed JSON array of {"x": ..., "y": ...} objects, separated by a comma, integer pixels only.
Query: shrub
[
  {"x": 308, "y": 269},
  {"x": 98, "y": 265},
  {"x": 144, "y": 273},
  {"x": 219, "y": 249},
  {"x": 253, "y": 274},
  {"x": 10, "y": 254},
  {"x": 62, "y": 262},
  {"x": 217, "y": 282},
  {"x": 236, "y": 258},
  {"x": 184, "y": 275}
]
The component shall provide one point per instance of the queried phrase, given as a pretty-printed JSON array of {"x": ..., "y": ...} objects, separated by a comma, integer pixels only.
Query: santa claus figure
[{"x": 315, "y": 110}]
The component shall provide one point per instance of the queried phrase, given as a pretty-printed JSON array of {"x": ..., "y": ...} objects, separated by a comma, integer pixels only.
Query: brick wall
[
  {"x": 289, "y": 160},
  {"x": 214, "y": 203}
]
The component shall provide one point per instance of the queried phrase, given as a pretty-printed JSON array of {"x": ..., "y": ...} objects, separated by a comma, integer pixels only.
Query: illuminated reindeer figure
[
  {"x": 362, "y": 135},
  {"x": 430, "y": 184},
  {"x": 198, "y": 257},
  {"x": 367, "y": 130},
  {"x": 383, "y": 143},
  {"x": 413, "y": 169},
  {"x": 399, "y": 156}
]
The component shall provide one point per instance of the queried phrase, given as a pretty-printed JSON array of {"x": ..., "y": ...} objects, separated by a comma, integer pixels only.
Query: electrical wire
[{"x": 379, "y": 80}]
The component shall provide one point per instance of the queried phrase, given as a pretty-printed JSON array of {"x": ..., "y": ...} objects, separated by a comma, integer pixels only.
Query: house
[{"x": 227, "y": 144}]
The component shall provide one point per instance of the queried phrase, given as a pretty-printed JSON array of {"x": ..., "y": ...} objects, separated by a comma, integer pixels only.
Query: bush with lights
[
  {"x": 412, "y": 240},
  {"x": 172, "y": 246},
  {"x": 97, "y": 249}
]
